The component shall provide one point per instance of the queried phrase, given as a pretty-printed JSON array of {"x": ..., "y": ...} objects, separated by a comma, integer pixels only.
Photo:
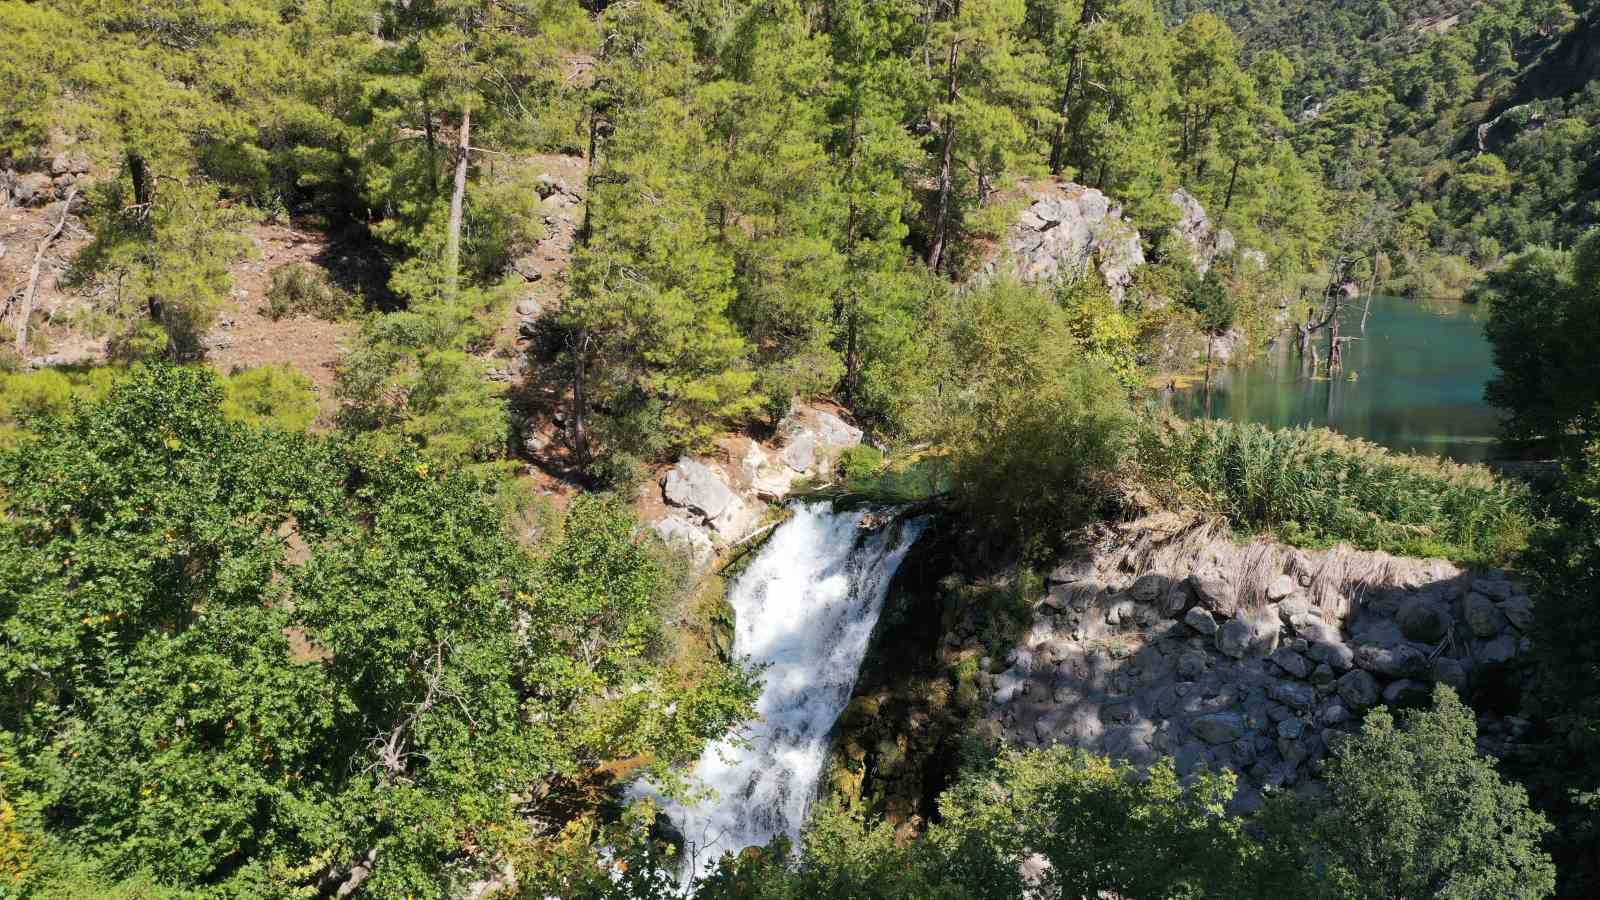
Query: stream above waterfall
[{"x": 805, "y": 610}]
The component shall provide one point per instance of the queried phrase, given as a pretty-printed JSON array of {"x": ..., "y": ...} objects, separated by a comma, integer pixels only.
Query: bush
[
  {"x": 270, "y": 397},
  {"x": 1315, "y": 486},
  {"x": 299, "y": 290}
]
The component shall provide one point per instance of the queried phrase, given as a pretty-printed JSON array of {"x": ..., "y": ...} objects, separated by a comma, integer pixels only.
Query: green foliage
[
  {"x": 1415, "y": 811},
  {"x": 277, "y": 397},
  {"x": 1314, "y": 486},
  {"x": 25, "y": 396},
  {"x": 299, "y": 290},
  {"x": 1544, "y": 312},
  {"x": 230, "y": 652}
]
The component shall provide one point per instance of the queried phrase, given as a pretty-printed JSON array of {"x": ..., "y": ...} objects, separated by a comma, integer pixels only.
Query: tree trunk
[
  {"x": 588, "y": 182},
  {"x": 433, "y": 146},
  {"x": 580, "y": 398},
  {"x": 452, "y": 244},
  {"x": 941, "y": 219},
  {"x": 1233, "y": 181},
  {"x": 139, "y": 174}
]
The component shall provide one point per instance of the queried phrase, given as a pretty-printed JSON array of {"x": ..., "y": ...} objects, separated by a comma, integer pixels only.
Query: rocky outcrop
[
  {"x": 1206, "y": 241},
  {"x": 39, "y": 182},
  {"x": 1067, "y": 232},
  {"x": 714, "y": 503},
  {"x": 1167, "y": 638}
]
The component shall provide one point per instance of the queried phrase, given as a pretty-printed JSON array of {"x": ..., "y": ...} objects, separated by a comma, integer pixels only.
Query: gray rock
[
  {"x": 1219, "y": 728},
  {"x": 1213, "y": 591},
  {"x": 1518, "y": 611},
  {"x": 1148, "y": 588},
  {"x": 1322, "y": 675},
  {"x": 1073, "y": 570},
  {"x": 1176, "y": 599},
  {"x": 1333, "y": 713},
  {"x": 529, "y": 308},
  {"x": 1067, "y": 230},
  {"x": 1396, "y": 661},
  {"x": 800, "y": 454},
  {"x": 1206, "y": 241},
  {"x": 687, "y": 537},
  {"x": 694, "y": 486},
  {"x": 1291, "y": 662},
  {"x": 1291, "y": 729},
  {"x": 32, "y": 189},
  {"x": 1201, "y": 621},
  {"x": 1358, "y": 689},
  {"x": 1422, "y": 619},
  {"x": 834, "y": 433},
  {"x": 1191, "y": 665},
  {"x": 1481, "y": 615},
  {"x": 1294, "y": 605},
  {"x": 1280, "y": 588},
  {"x": 1233, "y": 638},
  {"x": 1500, "y": 650},
  {"x": 1497, "y": 589},
  {"x": 1293, "y": 694},
  {"x": 1335, "y": 654}
]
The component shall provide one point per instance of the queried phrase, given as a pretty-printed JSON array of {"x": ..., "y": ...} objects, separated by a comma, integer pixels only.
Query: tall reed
[{"x": 1314, "y": 486}]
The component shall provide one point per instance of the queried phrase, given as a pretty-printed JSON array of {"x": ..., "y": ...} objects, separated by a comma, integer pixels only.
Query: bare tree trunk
[
  {"x": 941, "y": 219},
  {"x": 33, "y": 274},
  {"x": 1233, "y": 181},
  {"x": 1372, "y": 288},
  {"x": 452, "y": 245}
]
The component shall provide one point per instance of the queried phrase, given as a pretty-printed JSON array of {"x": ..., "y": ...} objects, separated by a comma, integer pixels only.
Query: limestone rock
[
  {"x": 1067, "y": 232},
  {"x": 696, "y": 487},
  {"x": 678, "y": 532},
  {"x": 1280, "y": 588},
  {"x": 1206, "y": 241},
  {"x": 1245, "y": 635}
]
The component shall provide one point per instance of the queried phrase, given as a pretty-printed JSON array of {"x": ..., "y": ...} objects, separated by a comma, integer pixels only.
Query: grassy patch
[{"x": 1313, "y": 488}]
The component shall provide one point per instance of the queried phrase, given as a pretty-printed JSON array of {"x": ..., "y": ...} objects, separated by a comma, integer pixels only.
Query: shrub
[
  {"x": 1315, "y": 486},
  {"x": 270, "y": 397},
  {"x": 300, "y": 290}
]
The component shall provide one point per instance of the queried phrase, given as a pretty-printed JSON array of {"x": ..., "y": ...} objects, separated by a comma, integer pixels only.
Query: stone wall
[{"x": 1166, "y": 637}]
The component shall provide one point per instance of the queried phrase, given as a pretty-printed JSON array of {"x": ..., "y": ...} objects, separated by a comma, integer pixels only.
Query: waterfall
[{"x": 804, "y": 610}]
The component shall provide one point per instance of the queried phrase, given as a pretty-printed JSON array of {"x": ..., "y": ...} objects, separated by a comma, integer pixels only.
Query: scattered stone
[
  {"x": 1333, "y": 714},
  {"x": 1335, "y": 654},
  {"x": 1148, "y": 588},
  {"x": 1291, "y": 728},
  {"x": 1233, "y": 638},
  {"x": 1191, "y": 665}
]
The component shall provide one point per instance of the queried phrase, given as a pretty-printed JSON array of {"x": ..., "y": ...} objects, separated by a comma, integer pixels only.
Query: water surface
[{"x": 1419, "y": 371}]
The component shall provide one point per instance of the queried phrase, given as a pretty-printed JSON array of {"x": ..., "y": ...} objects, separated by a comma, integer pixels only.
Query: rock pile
[
  {"x": 1171, "y": 640},
  {"x": 42, "y": 182}
]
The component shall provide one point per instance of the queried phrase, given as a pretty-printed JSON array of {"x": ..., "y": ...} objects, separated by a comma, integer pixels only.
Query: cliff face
[{"x": 1068, "y": 232}]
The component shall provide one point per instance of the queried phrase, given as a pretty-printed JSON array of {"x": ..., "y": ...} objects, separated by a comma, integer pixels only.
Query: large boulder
[
  {"x": 1423, "y": 619},
  {"x": 687, "y": 537},
  {"x": 1068, "y": 231},
  {"x": 702, "y": 492},
  {"x": 1220, "y": 728},
  {"x": 1206, "y": 241}
]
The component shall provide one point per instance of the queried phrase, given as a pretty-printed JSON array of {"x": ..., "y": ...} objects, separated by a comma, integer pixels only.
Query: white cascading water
[{"x": 805, "y": 610}]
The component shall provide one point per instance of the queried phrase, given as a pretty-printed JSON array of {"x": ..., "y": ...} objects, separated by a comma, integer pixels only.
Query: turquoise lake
[{"x": 1419, "y": 372}]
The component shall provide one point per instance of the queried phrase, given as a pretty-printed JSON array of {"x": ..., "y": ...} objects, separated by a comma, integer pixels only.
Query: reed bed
[{"x": 1315, "y": 487}]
